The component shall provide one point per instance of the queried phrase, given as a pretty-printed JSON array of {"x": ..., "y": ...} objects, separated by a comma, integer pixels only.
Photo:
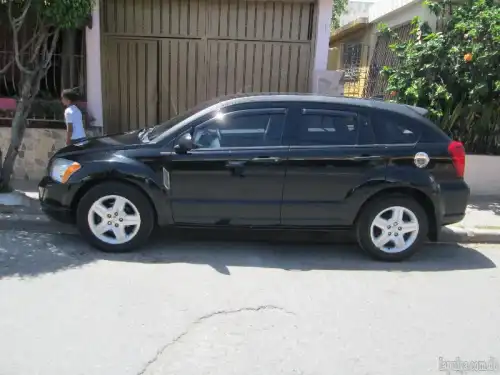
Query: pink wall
[{"x": 9, "y": 104}]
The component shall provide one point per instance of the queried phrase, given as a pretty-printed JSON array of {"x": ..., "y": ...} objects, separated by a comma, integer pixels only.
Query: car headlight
[{"x": 62, "y": 169}]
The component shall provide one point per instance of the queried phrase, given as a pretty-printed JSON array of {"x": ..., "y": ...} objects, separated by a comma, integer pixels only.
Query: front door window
[{"x": 240, "y": 129}]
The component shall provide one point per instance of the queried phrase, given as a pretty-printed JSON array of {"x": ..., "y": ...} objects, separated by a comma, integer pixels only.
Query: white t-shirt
[{"x": 74, "y": 116}]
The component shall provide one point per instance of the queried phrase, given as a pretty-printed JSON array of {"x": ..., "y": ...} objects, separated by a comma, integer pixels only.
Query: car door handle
[
  {"x": 266, "y": 159},
  {"x": 235, "y": 163},
  {"x": 367, "y": 157},
  {"x": 260, "y": 159}
]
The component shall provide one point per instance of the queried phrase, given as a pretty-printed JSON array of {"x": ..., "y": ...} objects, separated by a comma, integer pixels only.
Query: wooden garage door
[
  {"x": 131, "y": 84},
  {"x": 196, "y": 50},
  {"x": 257, "y": 67}
]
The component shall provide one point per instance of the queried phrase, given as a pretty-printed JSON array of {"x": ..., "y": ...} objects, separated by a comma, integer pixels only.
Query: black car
[{"x": 294, "y": 161}]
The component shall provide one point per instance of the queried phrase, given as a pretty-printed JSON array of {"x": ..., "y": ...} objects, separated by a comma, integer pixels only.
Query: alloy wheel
[
  {"x": 114, "y": 219},
  {"x": 394, "y": 229}
]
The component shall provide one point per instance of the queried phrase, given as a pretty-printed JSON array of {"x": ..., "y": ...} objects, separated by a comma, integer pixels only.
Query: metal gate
[{"x": 161, "y": 57}]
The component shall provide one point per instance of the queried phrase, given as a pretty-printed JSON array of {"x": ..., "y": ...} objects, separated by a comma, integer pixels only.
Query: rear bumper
[
  {"x": 455, "y": 197},
  {"x": 452, "y": 219}
]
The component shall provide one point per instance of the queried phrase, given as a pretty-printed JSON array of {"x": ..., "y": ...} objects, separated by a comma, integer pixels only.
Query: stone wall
[{"x": 38, "y": 147}]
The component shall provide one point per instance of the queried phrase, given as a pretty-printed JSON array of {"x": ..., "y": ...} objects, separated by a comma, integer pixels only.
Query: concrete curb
[
  {"x": 41, "y": 223},
  {"x": 472, "y": 235}
]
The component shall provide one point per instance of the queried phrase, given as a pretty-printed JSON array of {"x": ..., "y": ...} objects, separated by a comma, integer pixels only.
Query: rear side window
[
  {"x": 391, "y": 128},
  {"x": 326, "y": 128}
]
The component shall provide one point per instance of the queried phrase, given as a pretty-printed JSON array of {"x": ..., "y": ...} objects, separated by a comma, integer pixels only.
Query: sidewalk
[
  {"x": 21, "y": 210},
  {"x": 481, "y": 222}
]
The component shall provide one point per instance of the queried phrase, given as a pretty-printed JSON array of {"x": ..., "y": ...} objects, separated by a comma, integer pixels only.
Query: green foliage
[
  {"x": 63, "y": 14},
  {"x": 454, "y": 72},
  {"x": 67, "y": 14},
  {"x": 338, "y": 8}
]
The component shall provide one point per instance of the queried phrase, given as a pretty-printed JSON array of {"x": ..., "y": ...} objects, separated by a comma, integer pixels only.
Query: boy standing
[{"x": 73, "y": 117}]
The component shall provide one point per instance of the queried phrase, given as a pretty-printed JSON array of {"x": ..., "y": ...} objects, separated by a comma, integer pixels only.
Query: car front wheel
[
  {"x": 115, "y": 217},
  {"x": 392, "y": 228}
]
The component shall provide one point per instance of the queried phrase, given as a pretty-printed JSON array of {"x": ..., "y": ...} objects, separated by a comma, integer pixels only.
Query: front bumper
[{"x": 55, "y": 200}]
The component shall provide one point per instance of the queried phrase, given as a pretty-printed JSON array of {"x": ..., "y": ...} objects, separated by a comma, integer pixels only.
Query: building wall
[
  {"x": 94, "y": 76},
  {"x": 321, "y": 50},
  {"x": 394, "y": 13},
  {"x": 335, "y": 50},
  {"x": 356, "y": 9},
  {"x": 391, "y": 12},
  {"x": 397, "y": 12}
]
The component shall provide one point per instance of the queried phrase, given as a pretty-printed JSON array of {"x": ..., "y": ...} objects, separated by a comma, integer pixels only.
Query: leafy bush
[{"x": 454, "y": 71}]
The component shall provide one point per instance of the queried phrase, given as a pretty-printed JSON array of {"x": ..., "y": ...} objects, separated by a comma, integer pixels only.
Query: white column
[
  {"x": 320, "y": 62},
  {"x": 323, "y": 34},
  {"x": 94, "y": 84}
]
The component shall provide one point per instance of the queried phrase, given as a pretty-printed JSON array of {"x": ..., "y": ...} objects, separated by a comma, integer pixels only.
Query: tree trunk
[
  {"x": 31, "y": 86},
  {"x": 68, "y": 61}
]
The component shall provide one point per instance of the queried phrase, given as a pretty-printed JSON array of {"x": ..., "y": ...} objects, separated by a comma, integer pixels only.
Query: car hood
[{"x": 104, "y": 143}]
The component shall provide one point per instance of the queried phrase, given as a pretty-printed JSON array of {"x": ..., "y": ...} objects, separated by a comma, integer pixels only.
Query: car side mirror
[{"x": 184, "y": 144}]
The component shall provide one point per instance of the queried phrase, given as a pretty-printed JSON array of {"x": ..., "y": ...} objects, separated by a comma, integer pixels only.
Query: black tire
[
  {"x": 135, "y": 196},
  {"x": 374, "y": 208}
]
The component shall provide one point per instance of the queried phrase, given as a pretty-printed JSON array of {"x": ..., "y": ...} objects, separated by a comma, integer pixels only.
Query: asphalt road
[{"x": 203, "y": 306}]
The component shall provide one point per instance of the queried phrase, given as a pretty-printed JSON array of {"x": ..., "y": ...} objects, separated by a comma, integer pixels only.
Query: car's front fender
[{"x": 126, "y": 170}]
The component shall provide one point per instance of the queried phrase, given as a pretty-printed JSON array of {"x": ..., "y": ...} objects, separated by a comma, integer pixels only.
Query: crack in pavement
[{"x": 201, "y": 320}]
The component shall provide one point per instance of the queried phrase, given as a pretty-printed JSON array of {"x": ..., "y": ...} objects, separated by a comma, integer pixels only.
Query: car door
[
  {"x": 331, "y": 154},
  {"x": 235, "y": 174}
]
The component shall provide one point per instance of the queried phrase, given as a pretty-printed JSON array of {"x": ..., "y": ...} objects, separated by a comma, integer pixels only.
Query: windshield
[{"x": 159, "y": 129}]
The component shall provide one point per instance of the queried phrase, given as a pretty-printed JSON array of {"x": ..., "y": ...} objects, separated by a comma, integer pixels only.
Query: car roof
[
  {"x": 319, "y": 98},
  {"x": 241, "y": 98}
]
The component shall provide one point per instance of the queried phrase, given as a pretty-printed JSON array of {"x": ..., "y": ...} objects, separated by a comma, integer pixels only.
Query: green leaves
[
  {"x": 454, "y": 72},
  {"x": 338, "y": 8},
  {"x": 66, "y": 14}
]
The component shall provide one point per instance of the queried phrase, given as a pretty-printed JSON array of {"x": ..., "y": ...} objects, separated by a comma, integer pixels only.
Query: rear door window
[{"x": 326, "y": 128}]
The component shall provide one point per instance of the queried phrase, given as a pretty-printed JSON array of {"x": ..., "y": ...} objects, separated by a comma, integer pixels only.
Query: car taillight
[{"x": 457, "y": 153}]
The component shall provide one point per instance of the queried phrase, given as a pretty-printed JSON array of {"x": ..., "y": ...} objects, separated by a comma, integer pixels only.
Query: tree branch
[
  {"x": 16, "y": 24},
  {"x": 20, "y": 20},
  {"x": 52, "y": 50},
  {"x": 25, "y": 47},
  {"x": 6, "y": 67},
  {"x": 42, "y": 37}
]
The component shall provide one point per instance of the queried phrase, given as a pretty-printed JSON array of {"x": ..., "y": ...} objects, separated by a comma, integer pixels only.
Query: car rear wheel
[
  {"x": 392, "y": 228},
  {"x": 115, "y": 217}
]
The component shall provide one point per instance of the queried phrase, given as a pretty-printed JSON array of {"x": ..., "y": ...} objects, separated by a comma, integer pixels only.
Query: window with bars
[{"x": 351, "y": 60}]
